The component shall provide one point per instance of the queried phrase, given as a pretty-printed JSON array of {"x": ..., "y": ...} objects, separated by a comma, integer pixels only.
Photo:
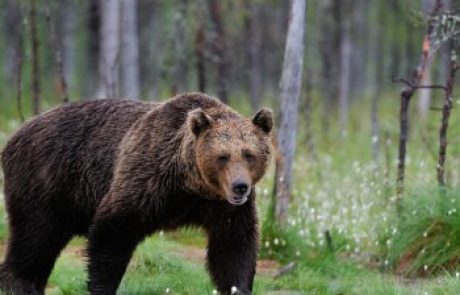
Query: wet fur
[{"x": 117, "y": 171}]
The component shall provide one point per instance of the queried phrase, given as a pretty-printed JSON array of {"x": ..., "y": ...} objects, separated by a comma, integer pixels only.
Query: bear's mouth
[{"x": 238, "y": 200}]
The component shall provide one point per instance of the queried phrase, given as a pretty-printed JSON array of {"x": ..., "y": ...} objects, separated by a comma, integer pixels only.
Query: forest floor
[{"x": 165, "y": 265}]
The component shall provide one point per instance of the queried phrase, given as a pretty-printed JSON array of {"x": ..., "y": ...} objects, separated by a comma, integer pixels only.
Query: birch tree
[
  {"x": 291, "y": 79},
  {"x": 130, "y": 50},
  {"x": 109, "y": 49},
  {"x": 346, "y": 50}
]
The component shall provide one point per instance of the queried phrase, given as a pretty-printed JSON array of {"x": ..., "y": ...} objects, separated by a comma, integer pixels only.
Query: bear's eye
[
  {"x": 222, "y": 159},
  {"x": 248, "y": 156}
]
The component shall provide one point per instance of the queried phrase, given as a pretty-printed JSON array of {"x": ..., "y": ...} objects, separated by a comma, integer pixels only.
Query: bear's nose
[{"x": 240, "y": 188}]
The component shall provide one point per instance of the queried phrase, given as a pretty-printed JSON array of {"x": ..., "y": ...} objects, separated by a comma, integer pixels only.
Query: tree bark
[
  {"x": 109, "y": 49},
  {"x": 254, "y": 54},
  {"x": 18, "y": 70},
  {"x": 220, "y": 49},
  {"x": 424, "y": 99},
  {"x": 446, "y": 110},
  {"x": 68, "y": 21},
  {"x": 377, "y": 48},
  {"x": 406, "y": 95},
  {"x": 445, "y": 53},
  {"x": 200, "y": 48},
  {"x": 35, "y": 59},
  {"x": 130, "y": 50},
  {"x": 12, "y": 32},
  {"x": 93, "y": 51},
  {"x": 329, "y": 44},
  {"x": 58, "y": 54},
  {"x": 180, "y": 66},
  {"x": 345, "y": 68},
  {"x": 291, "y": 79}
]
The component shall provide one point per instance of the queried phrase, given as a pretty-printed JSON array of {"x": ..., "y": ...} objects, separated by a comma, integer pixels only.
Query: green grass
[{"x": 427, "y": 239}]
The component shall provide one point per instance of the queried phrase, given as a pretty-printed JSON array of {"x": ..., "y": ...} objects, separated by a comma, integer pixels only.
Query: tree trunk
[
  {"x": 291, "y": 79},
  {"x": 377, "y": 49},
  {"x": 58, "y": 53},
  {"x": 109, "y": 49},
  {"x": 254, "y": 54},
  {"x": 93, "y": 50},
  {"x": 12, "y": 32},
  {"x": 346, "y": 51},
  {"x": 35, "y": 59},
  {"x": 149, "y": 49},
  {"x": 345, "y": 71},
  {"x": 329, "y": 44},
  {"x": 200, "y": 48},
  {"x": 446, "y": 110},
  {"x": 69, "y": 22},
  {"x": 130, "y": 50},
  {"x": 406, "y": 95},
  {"x": 445, "y": 53},
  {"x": 180, "y": 66},
  {"x": 424, "y": 99},
  {"x": 220, "y": 49}
]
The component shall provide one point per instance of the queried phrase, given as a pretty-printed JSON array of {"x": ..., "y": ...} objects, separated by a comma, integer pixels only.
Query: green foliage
[{"x": 427, "y": 239}]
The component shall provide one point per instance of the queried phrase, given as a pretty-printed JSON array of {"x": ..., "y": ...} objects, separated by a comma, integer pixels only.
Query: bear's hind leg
[{"x": 35, "y": 242}]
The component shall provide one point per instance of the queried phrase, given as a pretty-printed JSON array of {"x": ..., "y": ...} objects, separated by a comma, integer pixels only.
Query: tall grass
[{"x": 427, "y": 240}]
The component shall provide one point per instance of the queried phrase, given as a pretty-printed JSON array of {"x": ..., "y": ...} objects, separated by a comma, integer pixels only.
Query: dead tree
[
  {"x": 57, "y": 53},
  {"x": 109, "y": 49},
  {"x": 411, "y": 85},
  {"x": 291, "y": 80},
  {"x": 346, "y": 50},
  {"x": 12, "y": 32},
  {"x": 254, "y": 39},
  {"x": 35, "y": 58},
  {"x": 130, "y": 50},
  {"x": 200, "y": 48},
  {"x": 19, "y": 63},
  {"x": 220, "y": 49},
  {"x": 180, "y": 64},
  {"x": 446, "y": 110}
]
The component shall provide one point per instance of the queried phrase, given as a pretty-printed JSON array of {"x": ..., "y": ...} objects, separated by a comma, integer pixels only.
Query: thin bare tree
[
  {"x": 220, "y": 48},
  {"x": 254, "y": 34},
  {"x": 57, "y": 52},
  {"x": 291, "y": 80},
  {"x": 12, "y": 31},
  {"x": 180, "y": 34},
  {"x": 346, "y": 50},
  {"x": 109, "y": 49},
  {"x": 407, "y": 92},
  {"x": 35, "y": 58},
  {"x": 200, "y": 48},
  {"x": 446, "y": 111},
  {"x": 130, "y": 50}
]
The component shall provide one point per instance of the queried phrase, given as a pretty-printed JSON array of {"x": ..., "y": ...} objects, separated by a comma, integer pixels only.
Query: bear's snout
[
  {"x": 240, "y": 188},
  {"x": 240, "y": 191}
]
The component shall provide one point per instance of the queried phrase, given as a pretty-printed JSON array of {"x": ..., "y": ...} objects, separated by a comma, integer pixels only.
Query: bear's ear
[
  {"x": 198, "y": 121},
  {"x": 264, "y": 120}
]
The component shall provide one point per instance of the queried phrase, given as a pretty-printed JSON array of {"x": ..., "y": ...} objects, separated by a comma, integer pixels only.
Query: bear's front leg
[
  {"x": 232, "y": 249},
  {"x": 112, "y": 239}
]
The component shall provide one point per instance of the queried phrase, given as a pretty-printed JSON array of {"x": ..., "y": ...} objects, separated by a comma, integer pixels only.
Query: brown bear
[{"x": 117, "y": 171}]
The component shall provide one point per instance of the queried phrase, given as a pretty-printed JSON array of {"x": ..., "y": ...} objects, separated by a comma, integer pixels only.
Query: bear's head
[{"x": 231, "y": 153}]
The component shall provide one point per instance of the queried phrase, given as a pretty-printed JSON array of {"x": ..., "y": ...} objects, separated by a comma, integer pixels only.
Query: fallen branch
[{"x": 285, "y": 269}]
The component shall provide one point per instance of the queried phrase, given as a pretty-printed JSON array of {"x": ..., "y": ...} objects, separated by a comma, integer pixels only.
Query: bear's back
[{"x": 69, "y": 151}]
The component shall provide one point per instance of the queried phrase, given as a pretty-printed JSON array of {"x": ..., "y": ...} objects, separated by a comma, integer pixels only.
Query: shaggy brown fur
[{"x": 117, "y": 171}]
